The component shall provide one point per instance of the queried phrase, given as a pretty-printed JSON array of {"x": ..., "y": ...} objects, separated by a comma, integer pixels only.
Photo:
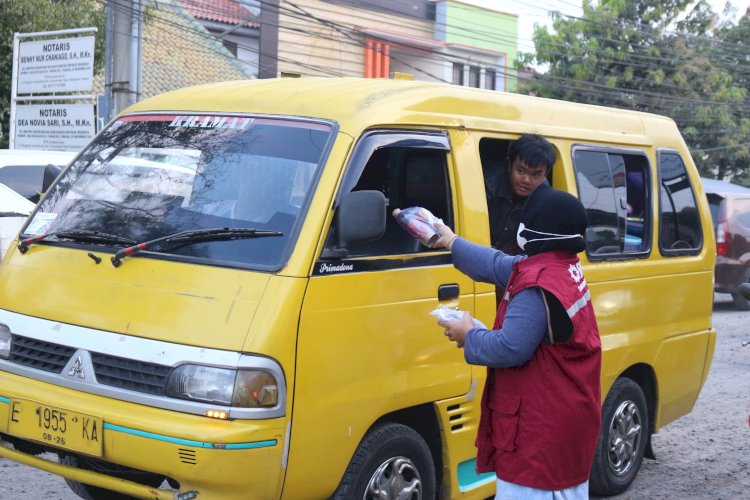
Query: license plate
[{"x": 56, "y": 426}]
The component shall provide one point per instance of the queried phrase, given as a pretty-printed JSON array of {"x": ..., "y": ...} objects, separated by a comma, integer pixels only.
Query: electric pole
[{"x": 268, "y": 61}]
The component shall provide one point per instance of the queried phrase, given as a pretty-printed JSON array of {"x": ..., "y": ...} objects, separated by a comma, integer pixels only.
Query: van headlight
[
  {"x": 241, "y": 388},
  {"x": 5, "y": 341}
]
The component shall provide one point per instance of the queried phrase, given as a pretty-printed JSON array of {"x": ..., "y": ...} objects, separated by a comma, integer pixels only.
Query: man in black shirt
[{"x": 530, "y": 159}]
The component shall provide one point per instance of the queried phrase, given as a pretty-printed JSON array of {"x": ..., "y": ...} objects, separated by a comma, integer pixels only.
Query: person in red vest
[{"x": 541, "y": 408}]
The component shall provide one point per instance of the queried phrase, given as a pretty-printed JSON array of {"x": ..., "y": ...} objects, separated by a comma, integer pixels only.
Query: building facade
[{"x": 445, "y": 41}]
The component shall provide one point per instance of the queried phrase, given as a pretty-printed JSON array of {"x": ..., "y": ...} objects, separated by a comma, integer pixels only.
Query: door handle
[{"x": 447, "y": 292}]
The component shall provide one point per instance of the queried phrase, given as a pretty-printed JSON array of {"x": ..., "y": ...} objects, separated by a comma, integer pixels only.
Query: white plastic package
[
  {"x": 447, "y": 314},
  {"x": 420, "y": 223}
]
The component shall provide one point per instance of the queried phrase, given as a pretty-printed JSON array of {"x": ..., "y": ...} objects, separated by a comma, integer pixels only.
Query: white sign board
[
  {"x": 61, "y": 65},
  {"x": 54, "y": 127}
]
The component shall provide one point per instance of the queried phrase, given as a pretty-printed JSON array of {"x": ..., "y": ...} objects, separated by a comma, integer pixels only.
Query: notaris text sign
[
  {"x": 60, "y": 65},
  {"x": 56, "y": 127}
]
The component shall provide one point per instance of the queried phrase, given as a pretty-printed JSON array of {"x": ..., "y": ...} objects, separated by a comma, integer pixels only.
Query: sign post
[{"x": 43, "y": 68}]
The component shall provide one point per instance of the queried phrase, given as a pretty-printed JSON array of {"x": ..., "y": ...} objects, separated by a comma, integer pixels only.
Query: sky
[{"x": 538, "y": 12}]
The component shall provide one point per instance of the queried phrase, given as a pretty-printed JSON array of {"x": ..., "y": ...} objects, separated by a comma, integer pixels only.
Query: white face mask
[{"x": 553, "y": 236}]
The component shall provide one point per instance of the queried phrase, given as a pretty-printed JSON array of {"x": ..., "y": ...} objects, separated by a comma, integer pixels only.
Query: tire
[
  {"x": 740, "y": 302},
  {"x": 622, "y": 439},
  {"x": 392, "y": 461},
  {"x": 95, "y": 493}
]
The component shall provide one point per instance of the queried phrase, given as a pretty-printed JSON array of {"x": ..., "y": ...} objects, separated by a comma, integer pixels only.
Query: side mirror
[
  {"x": 360, "y": 217},
  {"x": 50, "y": 174}
]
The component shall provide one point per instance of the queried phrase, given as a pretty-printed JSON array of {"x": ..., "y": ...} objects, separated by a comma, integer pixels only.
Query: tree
[
  {"x": 28, "y": 16},
  {"x": 650, "y": 55},
  {"x": 733, "y": 53}
]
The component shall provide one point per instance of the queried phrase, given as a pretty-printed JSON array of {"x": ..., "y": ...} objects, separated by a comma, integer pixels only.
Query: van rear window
[{"x": 680, "y": 225}]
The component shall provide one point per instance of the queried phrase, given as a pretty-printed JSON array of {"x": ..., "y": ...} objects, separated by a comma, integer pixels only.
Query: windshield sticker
[
  {"x": 216, "y": 122},
  {"x": 40, "y": 223}
]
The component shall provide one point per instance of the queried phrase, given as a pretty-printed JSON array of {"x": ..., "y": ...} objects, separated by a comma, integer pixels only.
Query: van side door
[{"x": 367, "y": 344}]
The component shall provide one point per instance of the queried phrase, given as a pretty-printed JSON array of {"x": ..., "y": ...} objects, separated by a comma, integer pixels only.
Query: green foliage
[
  {"x": 30, "y": 16},
  {"x": 670, "y": 57}
]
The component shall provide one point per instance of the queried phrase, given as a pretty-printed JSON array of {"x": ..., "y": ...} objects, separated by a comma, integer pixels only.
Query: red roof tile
[{"x": 222, "y": 11}]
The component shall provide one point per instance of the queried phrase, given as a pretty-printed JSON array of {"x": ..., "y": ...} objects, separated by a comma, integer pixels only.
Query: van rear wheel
[
  {"x": 392, "y": 461},
  {"x": 741, "y": 302},
  {"x": 622, "y": 439}
]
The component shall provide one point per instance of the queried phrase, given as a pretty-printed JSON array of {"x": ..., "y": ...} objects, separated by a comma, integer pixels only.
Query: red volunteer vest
[{"x": 540, "y": 421}]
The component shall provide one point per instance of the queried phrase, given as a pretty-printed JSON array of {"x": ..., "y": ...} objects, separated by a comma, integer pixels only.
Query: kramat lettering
[{"x": 220, "y": 122}]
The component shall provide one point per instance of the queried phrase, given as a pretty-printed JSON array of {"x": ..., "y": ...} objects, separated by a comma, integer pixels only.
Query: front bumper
[{"x": 206, "y": 457}]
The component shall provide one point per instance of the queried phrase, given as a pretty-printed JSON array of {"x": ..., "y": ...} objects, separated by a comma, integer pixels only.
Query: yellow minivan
[{"x": 212, "y": 301}]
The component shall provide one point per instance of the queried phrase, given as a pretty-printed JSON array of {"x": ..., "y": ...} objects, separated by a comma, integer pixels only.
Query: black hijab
[{"x": 550, "y": 210}]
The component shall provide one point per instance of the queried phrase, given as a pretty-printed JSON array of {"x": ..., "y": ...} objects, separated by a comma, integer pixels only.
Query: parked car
[
  {"x": 24, "y": 176},
  {"x": 730, "y": 210}
]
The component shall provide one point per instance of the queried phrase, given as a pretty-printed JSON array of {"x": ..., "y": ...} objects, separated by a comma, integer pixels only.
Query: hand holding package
[{"x": 447, "y": 314}]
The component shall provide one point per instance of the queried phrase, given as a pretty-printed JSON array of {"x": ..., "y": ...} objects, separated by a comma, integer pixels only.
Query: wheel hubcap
[
  {"x": 396, "y": 479},
  {"x": 624, "y": 438}
]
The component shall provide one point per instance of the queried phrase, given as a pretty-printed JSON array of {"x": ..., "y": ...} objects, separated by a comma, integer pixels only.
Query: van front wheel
[
  {"x": 392, "y": 461},
  {"x": 622, "y": 439},
  {"x": 89, "y": 492}
]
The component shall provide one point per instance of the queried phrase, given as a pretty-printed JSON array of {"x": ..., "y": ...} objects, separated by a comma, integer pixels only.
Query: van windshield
[{"x": 149, "y": 176}]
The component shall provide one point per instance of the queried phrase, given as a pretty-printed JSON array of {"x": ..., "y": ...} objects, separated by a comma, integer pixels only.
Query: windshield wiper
[
  {"x": 76, "y": 235},
  {"x": 194, "y": 236}
]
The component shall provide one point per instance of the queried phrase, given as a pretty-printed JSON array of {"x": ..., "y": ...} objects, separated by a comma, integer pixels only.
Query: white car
[{"x": 24, "y": 175}]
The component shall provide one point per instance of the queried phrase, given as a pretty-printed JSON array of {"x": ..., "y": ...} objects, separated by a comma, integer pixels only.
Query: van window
[
  {"x": 614, "y": 189},
  {"x": 24, "y": 179},
  {"x": 741, "y": 211},
  {"x": 680, "y": 230},
  {"x": 152, "y": 176},
  {"x": 503, "y": 219},
  {"x": 407, "y": 176}
]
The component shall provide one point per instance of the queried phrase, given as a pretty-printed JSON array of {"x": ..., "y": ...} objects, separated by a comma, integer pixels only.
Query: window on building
[
  {"x": 614, "y": 189},
  {"x": 458, "y": 74},
  {"x": 230, "y": 46},
  {"x": 680, "y": 230},
  {"x": 475, "y": 73},
  {"x": 286, "y": 74},
  {"x": 489, "y": 79}
]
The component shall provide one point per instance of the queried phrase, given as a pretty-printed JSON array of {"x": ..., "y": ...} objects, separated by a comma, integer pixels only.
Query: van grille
[
  {"x": 39, "y": 354},
  {"x": 123, "y": 373},
  {"x": 129, "y": 374}
]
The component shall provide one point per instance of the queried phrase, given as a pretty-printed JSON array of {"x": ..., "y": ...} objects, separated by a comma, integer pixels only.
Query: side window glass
[
  {"x": 742, "y": 211},
  {"x": 597, "y": 193},
  {"x": 407, "y": 177},
  {"x": 680, "y": 228},
  {"x": 637, "y": 206},
  {"x": 613, "y": 188},
  {"x": 25, "y": 180}
]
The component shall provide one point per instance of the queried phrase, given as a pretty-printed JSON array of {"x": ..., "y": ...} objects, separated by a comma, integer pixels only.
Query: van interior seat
[{"x": 423, "y": 182}]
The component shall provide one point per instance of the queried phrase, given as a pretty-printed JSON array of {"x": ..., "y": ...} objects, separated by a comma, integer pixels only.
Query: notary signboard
[
  {"x": 54, "y": 127},
  {"x": 60, "y": 65}
]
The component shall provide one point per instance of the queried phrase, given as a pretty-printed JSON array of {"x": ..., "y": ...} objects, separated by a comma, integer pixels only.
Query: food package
[
  {"x": 420, "y": 223},
  {"x": 447, "y": 314}
]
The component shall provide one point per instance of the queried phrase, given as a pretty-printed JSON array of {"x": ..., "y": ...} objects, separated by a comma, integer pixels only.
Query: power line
[{"x": 352, "y": 38}]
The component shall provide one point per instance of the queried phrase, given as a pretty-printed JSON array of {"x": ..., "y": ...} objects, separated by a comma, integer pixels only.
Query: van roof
[{"x": 358, "y": 103}]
